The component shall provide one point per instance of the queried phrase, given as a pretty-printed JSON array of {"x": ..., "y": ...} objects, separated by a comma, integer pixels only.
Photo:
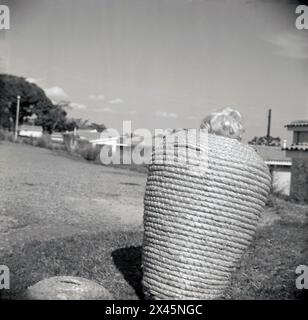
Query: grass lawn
[{"x": 113, "y": 259}]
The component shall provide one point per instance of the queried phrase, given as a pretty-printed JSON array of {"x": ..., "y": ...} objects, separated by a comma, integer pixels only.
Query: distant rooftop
[
  {"x": 298, "y": 147},
  {"x": 88, "y": 134},
  {"x": 272, "y": 155},
  {"x": 297, "y": 123},
  {"x": 27, "y": 127}
]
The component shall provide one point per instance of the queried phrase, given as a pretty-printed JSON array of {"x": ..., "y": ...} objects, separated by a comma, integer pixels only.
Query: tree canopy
[
  {"x": 266, "y": 141},
  {"x": 30, "y": 96},
  {"x": 33, "y": 101}
]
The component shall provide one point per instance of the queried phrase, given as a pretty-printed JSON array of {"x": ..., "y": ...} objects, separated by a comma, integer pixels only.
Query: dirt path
[{"x": 44, "y": 195}]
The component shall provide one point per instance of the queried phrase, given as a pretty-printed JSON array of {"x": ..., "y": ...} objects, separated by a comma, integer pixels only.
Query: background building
[
  {"x": 298, "y": 151},
  {"x": 280, "y": 167}
]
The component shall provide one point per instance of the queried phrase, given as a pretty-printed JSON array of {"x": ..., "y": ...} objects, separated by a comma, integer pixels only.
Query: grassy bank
[
  {"x": 83, "y": 150},
  {"x": 113, "y": 259}
]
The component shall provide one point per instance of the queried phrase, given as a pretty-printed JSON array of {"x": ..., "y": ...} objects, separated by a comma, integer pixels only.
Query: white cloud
[
  {"x": 292, "y": 45},
  {"x": 76, "y": 105},
  {"x": 33, "y": 80},
  {"x": 173, "y": 115},
  {"x": 116, "y": 101},
  {"x": 97, "y": 97},
  {"x": 107, "y": 110},
  {"x": 164, "y": 114},
  {"x": 57, "y": 94}
]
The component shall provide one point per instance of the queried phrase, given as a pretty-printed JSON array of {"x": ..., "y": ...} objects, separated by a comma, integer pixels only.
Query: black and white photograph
[{"x": 153, "y": 150}]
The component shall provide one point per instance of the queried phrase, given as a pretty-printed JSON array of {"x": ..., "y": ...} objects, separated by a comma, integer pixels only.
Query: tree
[
  {"x": 72, "y": 123},
  {"x": 97, "y": 127},
  {"x": 31, "y": 95},
  {"x": 69, "y": 125},
  {"x": 50, "y": 117},
  {"x": 34, "y": 103},
  {"x": 266, "y": 141},
  {"x": 81, "y": 124}
]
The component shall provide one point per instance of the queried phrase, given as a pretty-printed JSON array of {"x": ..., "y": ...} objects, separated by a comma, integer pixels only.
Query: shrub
[
  {"x": 278, "y": 192},
  {"x": 28, "y": 140},
  {"x": 7, "y": 135},
  {"x": 2, "y": 135},
  {"x": 57, "y": 146},
  {"x": 10, "y": 137},
  {"x": 87, "y": 151},
  {"x": 43, "y": 142},
  {"x": 70, "y": 141},
  {"x": 271, "y": 201}
]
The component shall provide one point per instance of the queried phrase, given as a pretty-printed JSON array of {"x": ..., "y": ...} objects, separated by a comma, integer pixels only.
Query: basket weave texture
[{"x": 200, "y": 215}]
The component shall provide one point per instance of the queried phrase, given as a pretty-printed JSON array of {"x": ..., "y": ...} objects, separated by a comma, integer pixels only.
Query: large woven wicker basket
[{"x": 199, "y": 215}]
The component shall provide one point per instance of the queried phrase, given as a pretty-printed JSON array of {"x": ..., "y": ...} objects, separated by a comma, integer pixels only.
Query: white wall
[
  {"x": 27, "y": 133},
  {"x": 281, "y": 180}
]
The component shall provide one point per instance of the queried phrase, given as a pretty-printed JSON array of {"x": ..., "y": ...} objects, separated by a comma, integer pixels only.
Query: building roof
[
  {"x": 297, "y": 147},
  {"x": 88, "y": 134},
  {"x": 297, "y": 123},
  {"x": 272, "y": 155},
  {"x": 26, "y": 127}
]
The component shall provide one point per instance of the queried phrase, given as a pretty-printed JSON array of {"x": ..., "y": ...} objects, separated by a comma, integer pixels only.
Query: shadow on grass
[
  {"x": 128, "y": 262},
  {"x": 87, "y": 255}
]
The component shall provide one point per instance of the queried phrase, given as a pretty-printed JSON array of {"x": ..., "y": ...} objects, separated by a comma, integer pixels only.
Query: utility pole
[
  {"x": 269, "y": 126},
  {"x": 17, "y": 117}
]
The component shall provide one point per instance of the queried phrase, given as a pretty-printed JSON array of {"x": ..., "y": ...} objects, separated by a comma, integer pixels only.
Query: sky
[{"x": 163, "y": 63}]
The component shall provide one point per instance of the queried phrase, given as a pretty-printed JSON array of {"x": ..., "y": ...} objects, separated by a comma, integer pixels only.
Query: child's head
[{"x": 227, "y": 123}]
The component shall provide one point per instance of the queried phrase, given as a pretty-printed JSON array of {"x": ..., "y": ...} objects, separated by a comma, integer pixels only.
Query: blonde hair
[{"x": 227, "y": 123}]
